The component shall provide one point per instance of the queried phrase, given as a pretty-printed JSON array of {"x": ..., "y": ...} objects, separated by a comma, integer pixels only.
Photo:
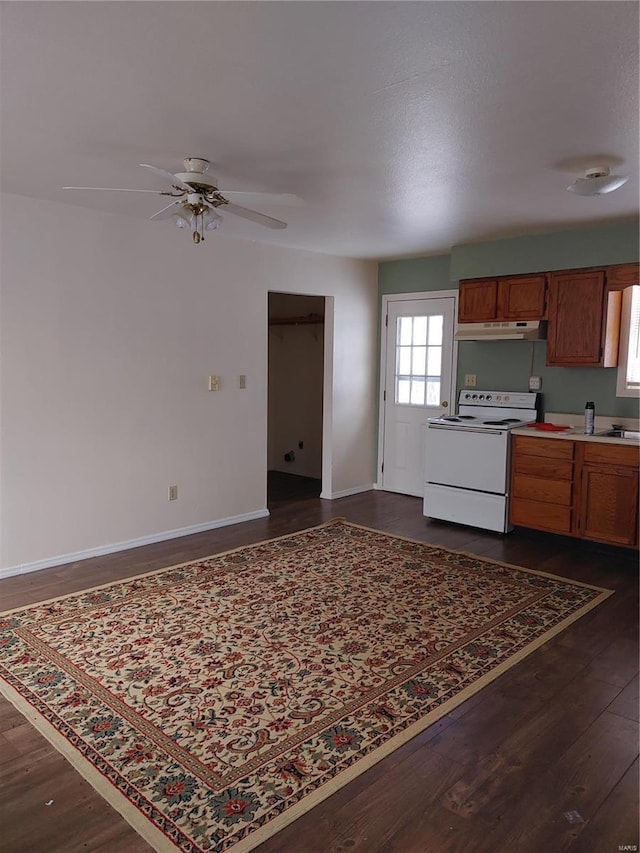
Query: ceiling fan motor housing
[
  {"x": 198, "y": 181},
  {"x": 196, "y": 164}
]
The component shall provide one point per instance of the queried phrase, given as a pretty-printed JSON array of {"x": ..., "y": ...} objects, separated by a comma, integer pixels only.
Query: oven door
[{"x": 467, "y": 458}]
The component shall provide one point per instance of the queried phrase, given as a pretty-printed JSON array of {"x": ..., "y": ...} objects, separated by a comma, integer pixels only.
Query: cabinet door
[
  {"x": 609, "y": 504},
  {"x": 477, "y": 300},
  {"x": 576, "y": 309},
  {"x": 522, "y": 298}
]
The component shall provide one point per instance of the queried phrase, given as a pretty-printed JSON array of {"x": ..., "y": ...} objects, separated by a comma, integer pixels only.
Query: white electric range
[{"x": 468, "y": 454}]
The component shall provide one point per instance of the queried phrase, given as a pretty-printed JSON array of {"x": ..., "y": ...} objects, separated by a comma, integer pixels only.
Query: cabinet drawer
[
  {"x": 541, "y": 516},
  {"x": 555, "y": 448},
  {"x": 538, "y": 466},
  {"x": 542, "y": 489},
  {"x": 611, "y": 454}
]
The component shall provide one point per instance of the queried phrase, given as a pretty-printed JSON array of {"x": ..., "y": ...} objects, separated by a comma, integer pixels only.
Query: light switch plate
[{"x": 214, "y": 383}]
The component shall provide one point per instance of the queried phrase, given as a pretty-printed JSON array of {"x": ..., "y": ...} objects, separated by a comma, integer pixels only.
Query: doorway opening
[{"x": 295, "y": 397}]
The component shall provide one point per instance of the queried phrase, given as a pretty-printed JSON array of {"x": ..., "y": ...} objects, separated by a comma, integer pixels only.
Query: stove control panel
[{"x": 513, "y": 400}]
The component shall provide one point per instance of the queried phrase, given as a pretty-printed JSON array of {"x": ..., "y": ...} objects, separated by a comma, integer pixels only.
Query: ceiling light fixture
[
  {"x": 197, "y": 216},
  {"x": 183, "y": 218},
  {"x": 597, "y": 181}
]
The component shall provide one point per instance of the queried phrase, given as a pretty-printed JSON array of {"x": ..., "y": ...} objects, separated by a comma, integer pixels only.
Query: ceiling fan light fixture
[
  {"x": 597, "y": 181},
  {"x": 211, "y": 220},
  {"x": 183, "y": 218}
]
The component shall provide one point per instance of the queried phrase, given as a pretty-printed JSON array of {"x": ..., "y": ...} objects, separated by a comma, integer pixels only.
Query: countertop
[{"x": 575, "y": 434}]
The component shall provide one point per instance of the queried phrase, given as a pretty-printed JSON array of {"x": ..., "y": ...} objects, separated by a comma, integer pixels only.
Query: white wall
[{"x": 109, "y": 329}]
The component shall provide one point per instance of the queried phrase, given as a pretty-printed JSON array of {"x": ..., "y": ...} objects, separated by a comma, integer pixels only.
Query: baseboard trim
[
  {"x": 346, "y": 492},
  {"x": 61, "y": 560}
]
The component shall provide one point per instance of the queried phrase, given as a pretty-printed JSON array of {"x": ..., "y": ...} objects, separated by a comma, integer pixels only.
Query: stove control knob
[
  {"x": 481, "y": 397},
  {"x": 506, "y": 398},
  {"x": 499, "y": 397},
  {"x": 474, "y": 396},
  {"x": 488, "y": 396}
]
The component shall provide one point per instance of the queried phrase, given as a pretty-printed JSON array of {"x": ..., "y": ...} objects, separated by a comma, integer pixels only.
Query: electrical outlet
[
  {"x": 173, "y": 493},
  {"x": 535, "y": 383},
  {"x": 242, "y": 381},
  {"x": 214, "y": 383},
  {"x": 470, "y": 380},
  {"x": 301, "y": 445}
]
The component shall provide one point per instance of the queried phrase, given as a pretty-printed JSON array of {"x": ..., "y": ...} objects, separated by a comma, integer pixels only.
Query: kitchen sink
[{"x": 631, "y": 435}]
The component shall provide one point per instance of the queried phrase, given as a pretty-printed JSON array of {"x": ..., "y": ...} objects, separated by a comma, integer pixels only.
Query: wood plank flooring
[{"x": 543, "y": 759}]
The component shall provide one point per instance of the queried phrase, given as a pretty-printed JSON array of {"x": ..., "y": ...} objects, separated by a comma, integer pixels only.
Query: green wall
[
  {"x": 614, "y": 243},
  {"x": 415, "y": 274},
  {"x": 507, "y": 365}
]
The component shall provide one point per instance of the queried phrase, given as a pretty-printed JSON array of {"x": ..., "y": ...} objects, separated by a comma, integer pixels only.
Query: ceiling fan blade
[
  {"x": 263, "y": 198},
  {"x": 115, "y": 190},
  {"x": 253, "y": 215},
  {"x": 168, "y": 176},
  {"x": 164, "y": 209}
]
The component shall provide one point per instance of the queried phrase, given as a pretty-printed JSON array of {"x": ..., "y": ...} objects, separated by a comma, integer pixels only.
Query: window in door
[{"x": 418, "y": 373}]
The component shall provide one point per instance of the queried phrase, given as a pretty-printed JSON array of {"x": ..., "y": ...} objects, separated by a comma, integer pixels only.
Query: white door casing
[{"x": 417, "y": 381}]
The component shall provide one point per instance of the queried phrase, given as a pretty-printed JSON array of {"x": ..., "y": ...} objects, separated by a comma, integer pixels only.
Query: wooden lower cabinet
[
  {"x": 608, "y": 493},
  {"x": 578, "y": 488}
]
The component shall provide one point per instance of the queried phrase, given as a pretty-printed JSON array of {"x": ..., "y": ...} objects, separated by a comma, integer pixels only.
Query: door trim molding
[{"x": 387, "y": 298}]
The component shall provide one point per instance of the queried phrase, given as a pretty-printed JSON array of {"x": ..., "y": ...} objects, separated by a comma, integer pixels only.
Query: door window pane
[
  {"x": 419, "y": 342},
  {"x": 404, "y": 360},
  {"x": 419, "y": 366},
  {"x": 419, "y": 331},
  {"x": 436, "y": 326},
  {"x": 405, "y": 331},
  {"x": 403, "y": 391},
  {"x": 433, "y": 392},
  {"x": 434, "y": 361},
  {"x": 417, "y": 392}
]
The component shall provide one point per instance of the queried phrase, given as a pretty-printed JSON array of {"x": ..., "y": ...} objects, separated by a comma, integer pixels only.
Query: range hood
[{"x": 517, "y": 330}]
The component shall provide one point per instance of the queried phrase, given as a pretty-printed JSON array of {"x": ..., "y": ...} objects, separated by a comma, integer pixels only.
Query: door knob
[{"x": 444, "y": 404}]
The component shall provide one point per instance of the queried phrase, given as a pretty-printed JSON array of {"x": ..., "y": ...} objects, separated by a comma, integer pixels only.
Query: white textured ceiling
[{"x": 406, "y": 128}]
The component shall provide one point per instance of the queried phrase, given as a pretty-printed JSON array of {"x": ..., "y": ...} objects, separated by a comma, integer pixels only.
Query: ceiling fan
[{"x": 196, "y": 199}]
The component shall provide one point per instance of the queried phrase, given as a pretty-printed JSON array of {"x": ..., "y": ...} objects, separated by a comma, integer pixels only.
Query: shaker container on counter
[{"x": 589, "y": 418}]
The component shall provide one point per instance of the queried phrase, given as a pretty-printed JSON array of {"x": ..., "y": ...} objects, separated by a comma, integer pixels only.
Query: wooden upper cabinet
[
  {"x": 576, "y": 315},
  {"x": 477, "y": 300},
  {"x": 623, "y": 275},
  {"x": 522, "y": 297},
  {"x": 507, "y": 298}
]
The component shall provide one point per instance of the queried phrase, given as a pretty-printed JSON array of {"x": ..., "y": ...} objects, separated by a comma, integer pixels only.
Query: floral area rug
[{"x": 214, "y": 702}]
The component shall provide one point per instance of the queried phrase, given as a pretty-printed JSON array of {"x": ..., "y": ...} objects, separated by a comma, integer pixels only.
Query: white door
[{"x": 418, "y": 383}]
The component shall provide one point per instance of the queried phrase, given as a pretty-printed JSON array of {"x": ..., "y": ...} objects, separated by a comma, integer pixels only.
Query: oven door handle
[{"x": 469, "y": 429}]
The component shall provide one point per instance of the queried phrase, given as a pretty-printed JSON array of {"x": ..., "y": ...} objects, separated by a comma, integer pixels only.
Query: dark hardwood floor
[{"x": 543, "y": 759}]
